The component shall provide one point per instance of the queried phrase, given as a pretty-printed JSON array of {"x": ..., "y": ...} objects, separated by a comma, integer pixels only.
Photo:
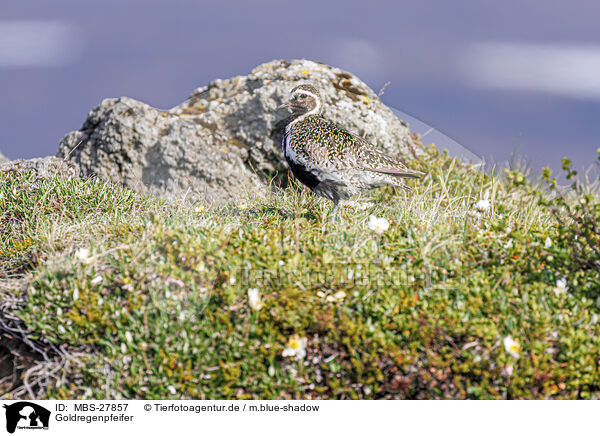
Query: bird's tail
[{"x": 401, "y": 173}]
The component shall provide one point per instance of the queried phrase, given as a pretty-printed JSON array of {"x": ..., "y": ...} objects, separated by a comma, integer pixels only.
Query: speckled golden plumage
[{"x": 331, "y": 161}]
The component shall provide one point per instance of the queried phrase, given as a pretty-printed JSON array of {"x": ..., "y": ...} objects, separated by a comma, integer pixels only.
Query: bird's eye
[{"x": 303, "y": 95}]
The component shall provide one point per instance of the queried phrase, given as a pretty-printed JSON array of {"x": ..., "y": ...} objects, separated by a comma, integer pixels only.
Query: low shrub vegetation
[{"x": 470, "y": 286}]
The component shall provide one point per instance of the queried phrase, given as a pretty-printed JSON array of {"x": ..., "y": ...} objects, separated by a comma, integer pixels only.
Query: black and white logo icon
[{"x": 25, "y": 415}]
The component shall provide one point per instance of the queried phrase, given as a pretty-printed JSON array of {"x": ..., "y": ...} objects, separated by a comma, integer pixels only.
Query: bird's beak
[{"x": 284, "y": 105}]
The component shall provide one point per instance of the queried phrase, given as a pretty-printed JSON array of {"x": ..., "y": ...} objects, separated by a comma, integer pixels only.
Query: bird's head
[{"x": 303, "y": 99}]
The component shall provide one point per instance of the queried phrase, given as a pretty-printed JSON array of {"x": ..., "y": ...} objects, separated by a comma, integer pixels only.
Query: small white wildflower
[
  {"x": 281, "y": 263},
  {"x": 378, "y": 225},
  {"x": 477, "y": 358},
  {"x": 254, "y": 300},
  {"x": 232, "y": 280},
  {"x": 172, "y": 390},
  {"x": 123, "y": 348},
  {"x": 561, "y": 287},
  {"x": 295, "y": 347},
  {"x": 75, "y": 294},
  {"x": 83, "y": 255},
  {"x": 128, "y": 336},
  {"x": 507, "y": 371},
  {"x": 548, "y": 242},
  {"x": 340, "y": 295},
  {"x": 512, "y": 347},
  {"x": 271, "y": 371},
  {"x": 61, "y": 329},
  {"x": 96, "y": 280},
  {"x": 483, "y": 205},
  {"x": 508, "y": 244},
  {"x": 594, "y": 319},
  {"x": 100, "y": 301}
]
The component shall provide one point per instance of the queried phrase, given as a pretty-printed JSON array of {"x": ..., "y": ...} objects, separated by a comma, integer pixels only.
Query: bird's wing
[{"x": 362, "y": 155}]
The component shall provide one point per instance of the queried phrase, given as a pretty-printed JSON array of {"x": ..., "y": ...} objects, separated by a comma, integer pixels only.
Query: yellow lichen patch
[
  {"x": 304, "y": 72},
  {"x": 366, "y": 99},
  {"x": 198, "y": 109}
]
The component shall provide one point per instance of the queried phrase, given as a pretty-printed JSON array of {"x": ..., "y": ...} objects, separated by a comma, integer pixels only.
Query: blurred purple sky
[{"x": 497, "y": 77}]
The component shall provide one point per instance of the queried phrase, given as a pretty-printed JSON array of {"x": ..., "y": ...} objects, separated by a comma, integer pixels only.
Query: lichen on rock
[{"x": 45, "y": 167}]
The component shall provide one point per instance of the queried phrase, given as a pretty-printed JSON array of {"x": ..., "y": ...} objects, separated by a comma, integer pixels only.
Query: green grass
[{"x": 159, "y": 307}]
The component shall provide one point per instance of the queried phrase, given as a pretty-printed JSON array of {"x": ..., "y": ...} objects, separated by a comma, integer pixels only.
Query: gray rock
[
  {"x": 46, "y": 167},
  {"x": 158, "y": 152},
  {"x": 3, "y": 158},
  {"x": 225, "y": 140}
]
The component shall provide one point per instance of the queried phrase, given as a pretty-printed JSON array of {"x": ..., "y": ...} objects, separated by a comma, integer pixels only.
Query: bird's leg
[{"x": 336, "y": 205}]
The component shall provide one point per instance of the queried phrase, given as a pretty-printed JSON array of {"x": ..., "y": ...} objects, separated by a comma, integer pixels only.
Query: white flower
[
  {"x": 96, "y": 280},
  {"x": 75, "y": 294},
  {"x": 340, "y": 295},
  {"x": 512, "y": 346},
  {"x": 508, "y": 244},
  {"x": 61, "y": 329},
  {"x": 254, "y": 299},
  {"x": 482, "y": 205},
  {"x": 295, "y": 347},
  {"x": 128, "y": 336},
  {"x": 378, "y": 225},
  {"x": 172, "y": 390},
  {"x": 548, "y": 242},
  {"x": 83, "y": 254},
  {"x": 507, "y": 371},
  {"x": 561, "y": 287}
]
